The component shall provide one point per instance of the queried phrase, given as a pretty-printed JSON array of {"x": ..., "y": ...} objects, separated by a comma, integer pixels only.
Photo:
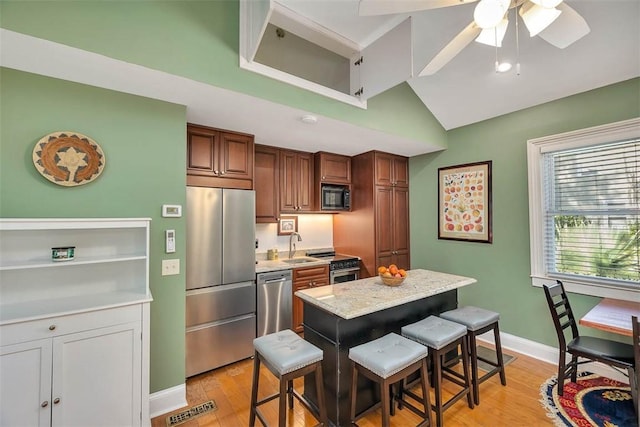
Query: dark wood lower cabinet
[{"x": 305, "y": 278}]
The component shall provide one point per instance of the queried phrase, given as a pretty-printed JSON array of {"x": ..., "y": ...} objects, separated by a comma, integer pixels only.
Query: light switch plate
[{"x": 170, "y": 267}]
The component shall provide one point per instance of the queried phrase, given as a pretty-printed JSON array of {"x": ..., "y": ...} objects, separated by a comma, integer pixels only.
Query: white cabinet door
[
  {"x": 386, "y": 62},
  {"x": 97, "y": 377},
  {"x": 25, "y": 384}
]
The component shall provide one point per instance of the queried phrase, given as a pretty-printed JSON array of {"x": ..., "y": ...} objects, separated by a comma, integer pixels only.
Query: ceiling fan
[{"x": 490, "y": 21}]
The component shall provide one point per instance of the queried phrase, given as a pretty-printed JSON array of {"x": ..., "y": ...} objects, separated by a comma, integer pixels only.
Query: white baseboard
[
  {"x": 167, "y": 400},
  {"x": 549, "y": 354}
]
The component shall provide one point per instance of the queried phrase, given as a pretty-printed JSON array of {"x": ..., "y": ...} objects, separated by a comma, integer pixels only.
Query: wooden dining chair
[
  {"x": 609, "y": 352},
  {"x": 635, "y": 381}
]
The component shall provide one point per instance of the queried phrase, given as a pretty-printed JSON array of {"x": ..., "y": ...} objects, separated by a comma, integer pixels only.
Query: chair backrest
[{"x": 561, "y": 312}]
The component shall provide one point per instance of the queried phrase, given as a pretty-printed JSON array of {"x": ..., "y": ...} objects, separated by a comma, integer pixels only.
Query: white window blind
[{"x": 591, "y": 213}]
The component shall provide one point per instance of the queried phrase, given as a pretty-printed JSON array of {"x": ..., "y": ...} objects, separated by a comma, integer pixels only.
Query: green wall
[
  {"x": 199, "y": 40},
  {"x": 144, "y": 144},
  {"x": 503, "y": 268}
]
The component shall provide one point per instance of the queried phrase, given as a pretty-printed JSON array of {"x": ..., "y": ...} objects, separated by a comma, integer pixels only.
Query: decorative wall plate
[{"x": 68, "y": 158}]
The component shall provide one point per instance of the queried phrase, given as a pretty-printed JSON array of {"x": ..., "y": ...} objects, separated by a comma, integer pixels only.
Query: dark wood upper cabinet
[
  {"x": 377, "y": 228},
  {"x": 266, "y": 183},
  {"x": 219, "y": 158},
  {"x": 391, "y": 170},
  {"x": 296, "y": 181},
  {"x": 332, "y": 168}
]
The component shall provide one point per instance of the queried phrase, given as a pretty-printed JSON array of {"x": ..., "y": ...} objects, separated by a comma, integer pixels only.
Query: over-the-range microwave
[{"x": 335, "y": 197}]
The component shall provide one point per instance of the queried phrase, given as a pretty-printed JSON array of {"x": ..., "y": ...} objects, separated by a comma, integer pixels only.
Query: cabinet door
[
  {"x": 288, "y": 181},
  {"x": 384, "y": 221},
  {"x": 305, "y": 182},
  {"x": 383, "y": 169},
  {"x": 266, "y": 184},
  {"x": 97, "y": 377},
  {"x": 202, "y": 153},
  {"x": 298, "y": 308},
  {"x": 400, "y": 214},
  {"x": 236, "y": 156},
  {"x": 25, "y": 384},
  {"x": 400, "y": 171},
  {"x": 333, "y": 168}
]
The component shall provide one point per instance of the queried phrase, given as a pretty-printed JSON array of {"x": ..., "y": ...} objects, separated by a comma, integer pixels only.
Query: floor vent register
[{"x": 191, "y": 413}]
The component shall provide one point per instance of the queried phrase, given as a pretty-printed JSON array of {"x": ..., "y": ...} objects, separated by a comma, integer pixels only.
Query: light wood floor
[{"x": 515, "y": 405}]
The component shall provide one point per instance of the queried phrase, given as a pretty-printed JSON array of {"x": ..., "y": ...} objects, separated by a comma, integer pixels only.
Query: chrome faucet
[{"x": 292, "y": 244}]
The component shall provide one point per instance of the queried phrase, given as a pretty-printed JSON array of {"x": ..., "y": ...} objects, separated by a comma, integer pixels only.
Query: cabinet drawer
[
  {"x": 320, "y": 272},
  {"x": 62, "y": 325}
]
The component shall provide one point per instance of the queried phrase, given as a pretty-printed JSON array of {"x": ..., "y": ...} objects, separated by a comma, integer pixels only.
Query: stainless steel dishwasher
[{"x": 274, "y": 301}]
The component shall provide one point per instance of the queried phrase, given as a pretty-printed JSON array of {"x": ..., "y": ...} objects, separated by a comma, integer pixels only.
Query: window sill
[{"x": 593, "y": 289}]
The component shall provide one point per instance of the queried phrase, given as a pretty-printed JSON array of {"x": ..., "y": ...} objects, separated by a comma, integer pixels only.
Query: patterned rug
[{"x": 591, "y": 401}]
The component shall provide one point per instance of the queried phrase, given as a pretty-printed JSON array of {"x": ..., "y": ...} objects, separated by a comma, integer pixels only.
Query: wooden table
[{"x": 612, "y": 315}]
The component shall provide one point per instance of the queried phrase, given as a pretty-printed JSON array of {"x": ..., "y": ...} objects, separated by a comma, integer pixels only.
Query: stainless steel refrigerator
[{"x": 220, "y": 276}]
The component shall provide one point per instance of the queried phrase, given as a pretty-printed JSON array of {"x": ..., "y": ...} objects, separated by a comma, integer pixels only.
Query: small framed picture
[
  {"x": 464, "y": 202},
  {"x": 287, "y": 225}
]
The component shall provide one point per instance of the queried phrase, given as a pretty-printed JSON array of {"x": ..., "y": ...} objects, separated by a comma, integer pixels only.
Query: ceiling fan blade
[
  {"x": 454, "y": 47},
  {"x": 568, "y": 28},
  {"x": 386, "y": 7}
]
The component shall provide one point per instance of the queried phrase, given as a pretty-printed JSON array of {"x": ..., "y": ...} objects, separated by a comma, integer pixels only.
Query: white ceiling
[{"x": 467, "y": 90}]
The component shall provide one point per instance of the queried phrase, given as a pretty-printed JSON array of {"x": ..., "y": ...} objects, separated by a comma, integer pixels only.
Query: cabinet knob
[
  {"x": 222, "y": 172},
  {"x": 52, "y": 327},
  {"x": 45, "y": 404},
  {"x": 216, "y": 172},
  {"x": 323, "y": 178},
  {"x": 56, "y": 400}
]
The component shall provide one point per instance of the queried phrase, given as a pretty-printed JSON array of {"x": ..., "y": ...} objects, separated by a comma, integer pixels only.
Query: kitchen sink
[{"x": 300, "y": 260}]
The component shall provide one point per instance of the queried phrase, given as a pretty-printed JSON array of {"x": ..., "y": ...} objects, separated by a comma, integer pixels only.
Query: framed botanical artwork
[
  {"x": 464, "y": 202},
  {"x": 287, "y": 225}
]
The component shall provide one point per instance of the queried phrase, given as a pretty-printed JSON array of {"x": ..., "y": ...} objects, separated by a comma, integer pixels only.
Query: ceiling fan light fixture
[
  {"x": 489, "y": 13},
  {"x": 537, "y": 18},
  {"x": 494, "y": 36},
  {"x": 503, "y": 67}
]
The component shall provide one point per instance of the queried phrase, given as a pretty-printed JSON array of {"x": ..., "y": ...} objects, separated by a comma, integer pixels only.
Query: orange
[
  {"x": 402, "y": 272},
  {"x": 393, "y": 269},
  {"x": 382, "y": 269}
]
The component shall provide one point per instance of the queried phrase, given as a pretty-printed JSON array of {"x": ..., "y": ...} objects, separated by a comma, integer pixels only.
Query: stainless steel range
[{"x": 342, "y": 268}]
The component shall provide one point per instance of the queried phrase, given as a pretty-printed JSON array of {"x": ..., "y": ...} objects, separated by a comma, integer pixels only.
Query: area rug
[{"x": 591, "y": 401}]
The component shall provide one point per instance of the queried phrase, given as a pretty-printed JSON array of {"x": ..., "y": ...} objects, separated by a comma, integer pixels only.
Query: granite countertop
[
  {"x": 263, "y": 265},
  {"x": 365, "y": 296}
]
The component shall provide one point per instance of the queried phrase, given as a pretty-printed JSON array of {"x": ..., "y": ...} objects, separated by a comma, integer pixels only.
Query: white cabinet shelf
[{"x": 86, "y": 320}]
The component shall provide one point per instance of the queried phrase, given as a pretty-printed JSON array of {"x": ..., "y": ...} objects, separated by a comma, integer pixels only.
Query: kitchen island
[{"x": 341, "y": 316}]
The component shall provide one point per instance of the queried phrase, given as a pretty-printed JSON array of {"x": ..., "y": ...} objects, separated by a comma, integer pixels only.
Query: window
[{"x": 584, "y": 208}]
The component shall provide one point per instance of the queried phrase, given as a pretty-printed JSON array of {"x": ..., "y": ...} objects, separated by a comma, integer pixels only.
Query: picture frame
[
  {"x": 465, "y": 202},
  {"x": 287, "y": 225}
]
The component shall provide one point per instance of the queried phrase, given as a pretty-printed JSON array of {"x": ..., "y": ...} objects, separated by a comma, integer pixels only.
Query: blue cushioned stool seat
[
  {"x": 287, "y": 356},
  {"x": 478, "y": 321},
  {"x": 434, "y": 332},
  {"x": 442, "y": 336},
  {"x": 285, "y": 351},
  {"x": 388, "y": 360},
  {"x": 473, "y": 318}
]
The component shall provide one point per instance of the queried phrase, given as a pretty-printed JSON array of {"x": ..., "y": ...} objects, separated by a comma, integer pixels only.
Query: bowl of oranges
[{"x": 392, "y": 275}]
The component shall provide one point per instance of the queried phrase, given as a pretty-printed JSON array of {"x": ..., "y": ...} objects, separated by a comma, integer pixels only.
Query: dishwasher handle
[{"x": 282, "y": 279}]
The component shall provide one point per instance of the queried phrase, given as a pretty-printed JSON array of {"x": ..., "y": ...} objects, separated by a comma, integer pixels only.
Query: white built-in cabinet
[
  {"x": 74, "y": 335},
  {"x": 304, "y": 47}
]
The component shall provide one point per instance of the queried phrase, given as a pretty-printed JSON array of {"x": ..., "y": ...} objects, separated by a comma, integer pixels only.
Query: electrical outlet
[{"x": 170, "y": 267}]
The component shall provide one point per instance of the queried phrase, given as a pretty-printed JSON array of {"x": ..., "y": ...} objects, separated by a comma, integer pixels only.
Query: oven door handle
[{"x": 344, "y": 271}]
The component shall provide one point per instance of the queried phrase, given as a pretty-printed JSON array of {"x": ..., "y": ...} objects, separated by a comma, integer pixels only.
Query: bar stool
[
  {"x": 442, "y": 336},
  {"x": 387, "y": 360},
  {"x": 478, "y": 321},
  {"x": 287, "y": 356}
]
